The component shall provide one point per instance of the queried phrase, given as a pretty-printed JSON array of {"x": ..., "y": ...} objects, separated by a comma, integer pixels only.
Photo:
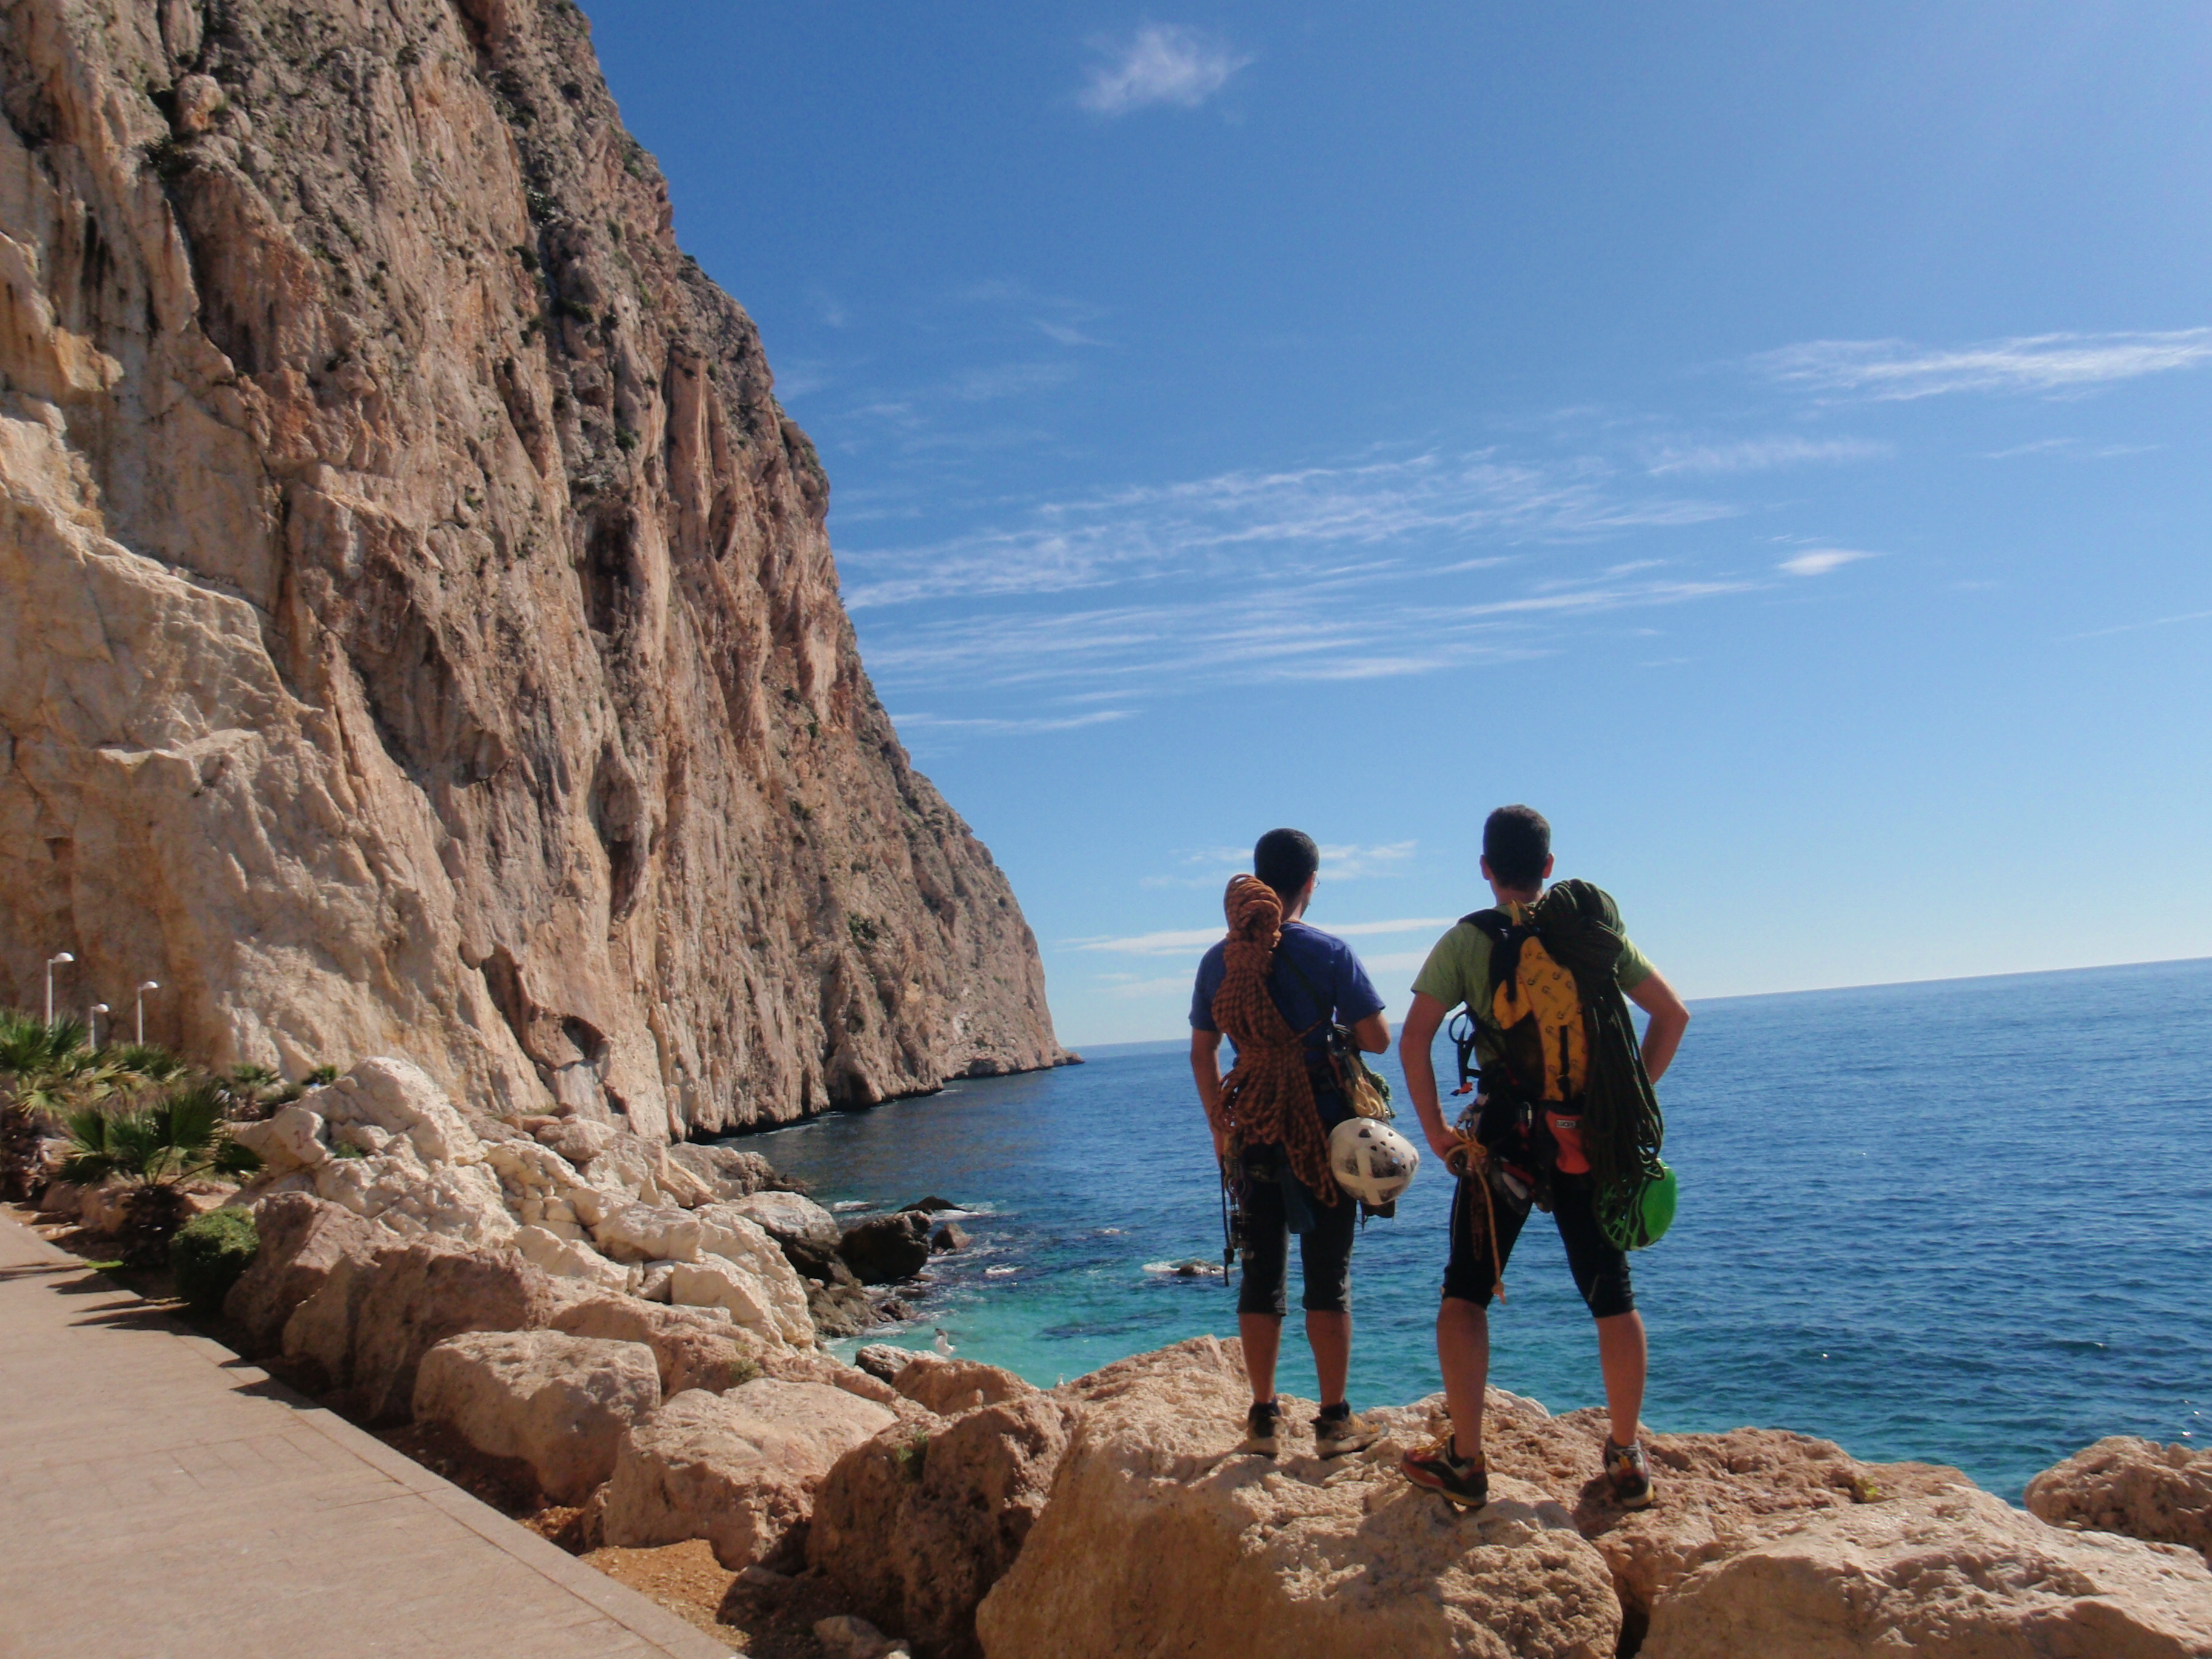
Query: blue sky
[{"x": 1772, "y": 440}]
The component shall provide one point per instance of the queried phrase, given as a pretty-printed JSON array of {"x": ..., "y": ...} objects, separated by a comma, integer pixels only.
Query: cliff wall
[{"x": 417, "y": 626}]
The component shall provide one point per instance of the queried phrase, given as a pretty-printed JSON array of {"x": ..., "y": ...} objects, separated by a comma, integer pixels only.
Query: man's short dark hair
[
  {"x": 1517, "y": 840},
  {"x": 1285, "y": 859}
]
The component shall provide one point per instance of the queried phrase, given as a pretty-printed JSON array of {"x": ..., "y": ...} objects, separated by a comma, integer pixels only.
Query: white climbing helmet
[{"x": 1370, "y": 1160}]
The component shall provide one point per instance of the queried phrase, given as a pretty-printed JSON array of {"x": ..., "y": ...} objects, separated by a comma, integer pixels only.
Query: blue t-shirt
[{"x": 1310, "y": 965}]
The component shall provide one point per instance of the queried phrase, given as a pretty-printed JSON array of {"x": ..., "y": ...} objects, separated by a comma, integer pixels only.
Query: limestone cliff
[{"x": 417, "y": 626}]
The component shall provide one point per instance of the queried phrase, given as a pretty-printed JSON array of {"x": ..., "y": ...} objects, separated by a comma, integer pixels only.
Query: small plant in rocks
[{"x": 209, "y": 1254}]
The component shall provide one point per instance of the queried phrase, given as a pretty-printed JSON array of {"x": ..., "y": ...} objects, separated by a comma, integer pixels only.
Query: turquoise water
[{"x": 1969, "y": 1222}]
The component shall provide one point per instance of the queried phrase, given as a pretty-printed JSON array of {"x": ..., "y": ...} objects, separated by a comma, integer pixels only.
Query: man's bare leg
[
  {"x": 1463, "y": 1351},
  {"x": 1331, "y": 1336},
  {"x": 1621, "y": 1355},
  {"x": 1262, "y": 1337}
]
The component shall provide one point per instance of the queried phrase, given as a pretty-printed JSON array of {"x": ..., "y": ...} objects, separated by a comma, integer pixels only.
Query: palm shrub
[
  {"x": 155, "y": 1150},
  {"x": 209, "y": 1254},
  {"x": 48, "y": 1071}
]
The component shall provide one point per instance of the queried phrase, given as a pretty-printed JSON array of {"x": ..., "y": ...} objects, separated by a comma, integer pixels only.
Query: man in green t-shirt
[{"x": 1516, "y": 862}]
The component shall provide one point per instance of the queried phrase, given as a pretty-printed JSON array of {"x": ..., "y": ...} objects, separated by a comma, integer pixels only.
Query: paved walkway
[{"x": 160, "y": 1498}]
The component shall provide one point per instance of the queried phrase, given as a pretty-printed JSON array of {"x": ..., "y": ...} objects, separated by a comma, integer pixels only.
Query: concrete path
[{"x": 160, "y": 1498}]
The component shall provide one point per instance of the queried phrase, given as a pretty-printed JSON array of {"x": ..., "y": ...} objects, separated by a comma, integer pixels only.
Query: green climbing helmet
[{"x": 1642, "y": 1220}]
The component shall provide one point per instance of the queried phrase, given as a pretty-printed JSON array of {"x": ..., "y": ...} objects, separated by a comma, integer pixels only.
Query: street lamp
[
  {"x": 144, "y": 986},
  {"x": 92, "y": 1022},
  {"x": 60, "y": 959}
]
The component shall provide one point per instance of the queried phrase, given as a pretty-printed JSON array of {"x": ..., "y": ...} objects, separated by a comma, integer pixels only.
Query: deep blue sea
[{"x": 1968, "y": 1221}]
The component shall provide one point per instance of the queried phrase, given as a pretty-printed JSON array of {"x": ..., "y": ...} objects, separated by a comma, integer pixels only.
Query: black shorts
[
  {"x": 1600, "y": 1266},
  {"x": 1324, "y": 1250}
]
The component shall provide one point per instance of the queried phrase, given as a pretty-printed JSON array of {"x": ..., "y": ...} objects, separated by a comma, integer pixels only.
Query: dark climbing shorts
[
  {"x": 1324, "y": 1250},
  {"x": 1600, "y": 1267}
]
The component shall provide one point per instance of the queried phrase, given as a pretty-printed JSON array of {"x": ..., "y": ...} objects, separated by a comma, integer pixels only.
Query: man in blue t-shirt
[{"x": 1315, "y": 980}]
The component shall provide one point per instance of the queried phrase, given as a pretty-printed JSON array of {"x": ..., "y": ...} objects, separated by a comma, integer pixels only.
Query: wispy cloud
[
  {"x": 1221, "y": 524},
  {"x": 1820, "y": 561},
  {"x": 1210, "y": 867},
  {"x": 1161, "y": 63},
  {"x": 1009, "y": 727},
  {"x": 2137, "y": 627},
  {"x": 1758, "y": 454},
  {"x": 1892, "y": 370},
  {"x": 2071, "y": 448},
  {"x": 1179, "y": 941}
]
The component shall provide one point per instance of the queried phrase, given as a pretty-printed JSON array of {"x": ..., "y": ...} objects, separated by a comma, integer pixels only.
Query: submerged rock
[{"x": 886, "y": 1248}]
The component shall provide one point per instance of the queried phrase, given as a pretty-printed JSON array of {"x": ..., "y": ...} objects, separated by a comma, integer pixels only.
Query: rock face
[
  {"x": 1958, "y": 1572},
  {"x": 2161, "y": 1494},
  {"x": 739, "y": 1469},
  {"x": 417, "y": 627},
  {"x": 949, "y": 1386},
  {"x": 1159, "y": 1539},
  {"x": 558, "y": 1403},
  {"x": 918, "y": 1524}
]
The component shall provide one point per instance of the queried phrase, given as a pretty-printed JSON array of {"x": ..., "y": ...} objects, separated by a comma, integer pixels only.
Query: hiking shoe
[
  {"x": 1465, "y": 1481},
  {"x": 1337, "y": 1432},
  {"x": 1629, "y": 1473},
  {"x": 1263, "y": 1430}
]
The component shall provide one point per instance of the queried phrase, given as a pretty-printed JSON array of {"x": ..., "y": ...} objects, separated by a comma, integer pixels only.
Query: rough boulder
[
  {"x": 558, "y": 1403},
  {"x": 1956, "y": 1572},
  {"x": 739, "y": 1469},
  {"x": 2160, "y": 1493}
]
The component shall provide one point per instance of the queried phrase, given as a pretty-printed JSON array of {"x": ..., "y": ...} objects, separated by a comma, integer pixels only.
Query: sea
[{"x": 1968, "y": 1222}]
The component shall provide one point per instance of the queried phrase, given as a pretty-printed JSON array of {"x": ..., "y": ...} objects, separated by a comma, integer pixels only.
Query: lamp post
[
  {"x": 144, "y": 986},
  {"x": 60, "y": 959},
  {"x": 92, "y": 1024}
]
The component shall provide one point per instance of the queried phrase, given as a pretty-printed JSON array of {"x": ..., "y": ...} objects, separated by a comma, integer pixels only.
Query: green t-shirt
[{"x": 1458, "y": 971}]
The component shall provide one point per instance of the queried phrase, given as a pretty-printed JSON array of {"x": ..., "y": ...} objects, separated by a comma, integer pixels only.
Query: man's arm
[
  {"x": 1669, "y": 1020},
  {"x": 1372, "y": 1034},
  {"x": 1422, "y": 1020},
  {"x": 1206, "y": 1069}
]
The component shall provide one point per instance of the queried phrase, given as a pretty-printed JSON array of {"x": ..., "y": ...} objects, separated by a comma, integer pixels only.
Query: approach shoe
[
  {"x": 1263, "y": 1429},
  {"x": 1337, "y": 1432},
  {"x": 1464, "y": 1480},
  {"x": 1629, "y": 1473}
]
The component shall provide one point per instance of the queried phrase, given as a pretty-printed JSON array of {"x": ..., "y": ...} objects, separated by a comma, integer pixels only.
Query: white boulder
[
  {"x": 736, "y": 1239},
  {"x": 565, "y": 1258},
  {"x": 646, "y": 1232}
]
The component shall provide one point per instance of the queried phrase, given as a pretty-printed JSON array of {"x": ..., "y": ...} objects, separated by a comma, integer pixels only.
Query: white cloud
[
  {"x": 1161, "y": 63},
  {"x": 1892, "y": 370},
  {"x": 1225, "y": 523},
  {"x": 1005, "y": 727},
  {"x": 2137, "y": 627},
  {"x": 1178, "y": 941},
  {"x": 1757, "y": 454},
  {"x": 1821, "y": 560}
]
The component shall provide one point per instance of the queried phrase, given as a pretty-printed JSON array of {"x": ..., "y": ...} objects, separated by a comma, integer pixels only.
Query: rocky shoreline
[{"x": 622, "y": 1341}]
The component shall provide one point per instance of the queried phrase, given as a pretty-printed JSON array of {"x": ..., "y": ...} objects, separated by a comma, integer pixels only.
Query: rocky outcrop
[
  {"x": 917, "y": 1525},
  {"x": 417, "y": 627},
  {"x": 949, "y": 1386},
  {"x": 557, "y": 1403},
  {"x": 1721, "y": 1494},
  {"x": 1158, "y": 1539},
  {"x": 739, "y": 1469},
  {"x": 1956, "y": 1572},
  {"x": 2138, "y": 1487}
]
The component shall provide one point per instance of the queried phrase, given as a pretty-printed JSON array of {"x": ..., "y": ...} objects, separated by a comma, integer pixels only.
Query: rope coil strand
[{"x": 1268, "y": 1098}]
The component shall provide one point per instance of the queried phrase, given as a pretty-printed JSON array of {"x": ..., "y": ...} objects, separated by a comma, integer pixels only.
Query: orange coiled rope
[{"x": 1267, "y": 1099}]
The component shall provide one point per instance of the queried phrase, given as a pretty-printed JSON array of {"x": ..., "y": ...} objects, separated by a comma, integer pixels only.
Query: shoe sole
[
  {"x": 1429, "y": 1482},
  {"x": 1262, "y": 1448},
  {"x": 1338, "y": 1447},
  {"x": 1642, "y": 1503}
]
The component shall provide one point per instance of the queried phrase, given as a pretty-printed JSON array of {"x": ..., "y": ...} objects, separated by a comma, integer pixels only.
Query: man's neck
[{"x": 1509, "y": 897}]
